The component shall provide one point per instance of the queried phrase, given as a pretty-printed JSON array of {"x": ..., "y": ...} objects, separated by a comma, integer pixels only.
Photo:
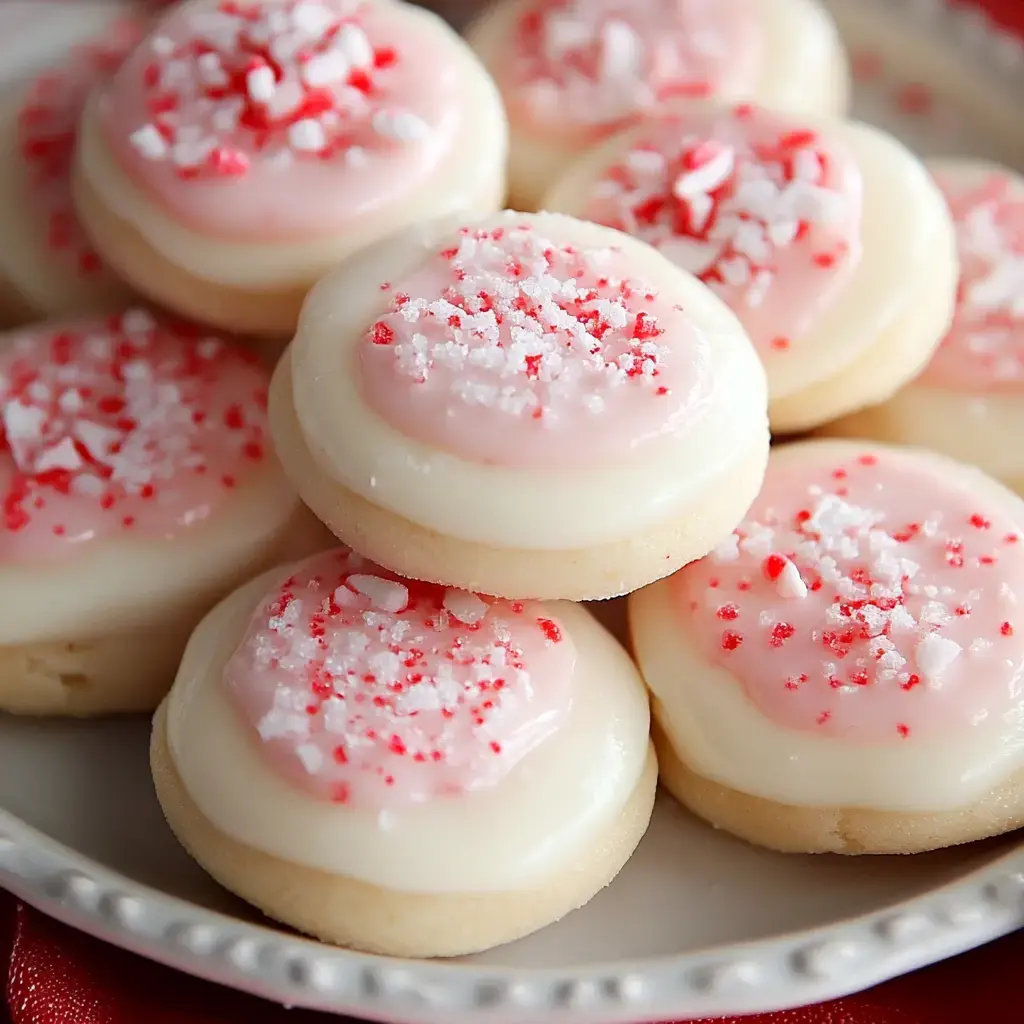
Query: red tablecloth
[
  {"x": 54, "y": 975},
  {"x": 59, "y": 976}
]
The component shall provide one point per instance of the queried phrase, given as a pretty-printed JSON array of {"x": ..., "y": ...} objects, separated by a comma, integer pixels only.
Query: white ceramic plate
[{"x": 697, "y": 923}]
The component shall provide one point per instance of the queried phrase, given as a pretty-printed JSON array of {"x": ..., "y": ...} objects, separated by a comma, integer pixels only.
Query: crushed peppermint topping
[
  {"x": 510, "y": 344},
  {"x": 540, "y": 321},
  {"x": 857, "y": 587},
  {"x": 986, "y": 342},
  {"x": 378, "y": 692},
  {"x": 599, "y": 61},
  {"x": 230, "y": 83},
  {"x": 131, "y": 423},
  {"x": 752, "y": 205},
  {"x": 47, "y": 129}
]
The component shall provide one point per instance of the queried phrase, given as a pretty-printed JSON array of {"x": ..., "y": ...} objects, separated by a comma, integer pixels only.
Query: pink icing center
[
  {"x": 593, "y": 63},
  {"x": 48, "y": 127},
  {"x": 510, "y": 348},
  {"x": 765, "y": 212},
  {"x": 121, "y": 426},
  {"x": 340, "y": 104},
  {"x": 984, "y": 349},
  {"x": 378, "y": 692},
  {"x": 866, "y": 597}
]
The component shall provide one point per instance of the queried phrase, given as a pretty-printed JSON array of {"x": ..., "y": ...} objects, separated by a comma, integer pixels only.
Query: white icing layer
[
  {"x": 116, "y": 584},
  {"x": 554, "y": 805},
  {"x": 500, "y": 506}
]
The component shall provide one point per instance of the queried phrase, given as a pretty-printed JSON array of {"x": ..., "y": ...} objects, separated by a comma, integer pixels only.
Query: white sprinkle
[
  {"x": 790, "y": 583},
  {"x": 934, "y": 654},
  {"x": 326, "y": 69},
  {"x": 310, "y": 756},
  {"x": 621, "y": 52},
  {"x": 279, "y": 724},
  {"x": 149, "y": 142},
  {"x": 356, "y": 156},
  {"x": 401, "y": 125},
  {"x": 87, "y": 484},
  {"x": 564, "y": 33},
  {"x": 708, "y": 176},
  {"x": 355, "y": 46},
  {"x": 646, "y": 162},
  {"x": 209, "y": 347},
  {"x": 385, "y": 595},
  {"x": 22, "y": 421},
  {"x": 261, "y": 84},
  {"x": 137, "y": 323},
  {"x": 62, "y": 455},
  {"x": 464, "y": 606},
  {"x": 71, "y": 401},
  {"x": 96, "y": 438},
  {"x": 311, "y": 18},
  {"x": 307, "y": 136},
  {"x": 728, "y": 550}
]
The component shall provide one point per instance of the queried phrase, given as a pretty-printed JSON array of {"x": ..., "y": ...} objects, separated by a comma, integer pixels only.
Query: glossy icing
[
  {"x": 128, "y": 426},
  {"x": 763, "y": 210},
  {"x": 587, "y": 65},
  {"x": 344, "y": 106},
  {"x": 870, "y": 596},
  {"x": 47, "y": 128},
  {"x": 512, "y": 347},
  {"x": 590, "y": 501},
  {"x": 543, "y": 816},
  {"x": 377, "y": 692},
  {"x": 984, "y": 350}
]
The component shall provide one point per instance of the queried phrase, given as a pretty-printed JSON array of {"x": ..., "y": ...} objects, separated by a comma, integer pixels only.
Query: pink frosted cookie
[
  {"x": 400, "y": 767},
  {"x": 137, "y": 486},
  {"x": 828, "y": 240},
  {"x": 48, "y": 267},
  {"x": 528, "y": 406},
  {"x": 843, "y": 674},
  {"x": 246, "y": 147},
  {"x": 574, "y": 71},
  {"x": 969, "y": 402}
]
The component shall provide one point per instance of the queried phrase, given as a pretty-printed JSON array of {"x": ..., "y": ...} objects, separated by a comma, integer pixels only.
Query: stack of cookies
[{"x": 356, "y": 369}]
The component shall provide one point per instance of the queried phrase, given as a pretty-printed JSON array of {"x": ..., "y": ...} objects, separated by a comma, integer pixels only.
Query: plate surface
[{"x": 697, "y": 923}]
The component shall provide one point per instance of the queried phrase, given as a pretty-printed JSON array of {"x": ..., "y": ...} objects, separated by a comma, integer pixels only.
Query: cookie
[
  {"x": 403, "y": 768},
  {"x": 842, "y": 675},
  {"x": 526, "y": 406},
  {"x": 244, "y": 149}
]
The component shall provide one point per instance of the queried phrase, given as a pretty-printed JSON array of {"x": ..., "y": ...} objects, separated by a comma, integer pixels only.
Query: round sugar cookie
[
  {"x": 573, "y": 71},
  {"x": 969, "y": 401},
  {"x": 527, "y": 406},
  {"x": 403, "y": 768},
  {"x": 826, "y": 238},
  {"x": 246, "y": 148},
  {"x": 53, "y": 55},
  {"x": 137, "y": 487},
  {"x": 843, "y": 674}
]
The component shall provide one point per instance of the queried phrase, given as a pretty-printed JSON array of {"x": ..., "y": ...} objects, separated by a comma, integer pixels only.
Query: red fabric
[
  {"x": 1009, "y": 13},
  {"x": 56, "y": 975}
]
